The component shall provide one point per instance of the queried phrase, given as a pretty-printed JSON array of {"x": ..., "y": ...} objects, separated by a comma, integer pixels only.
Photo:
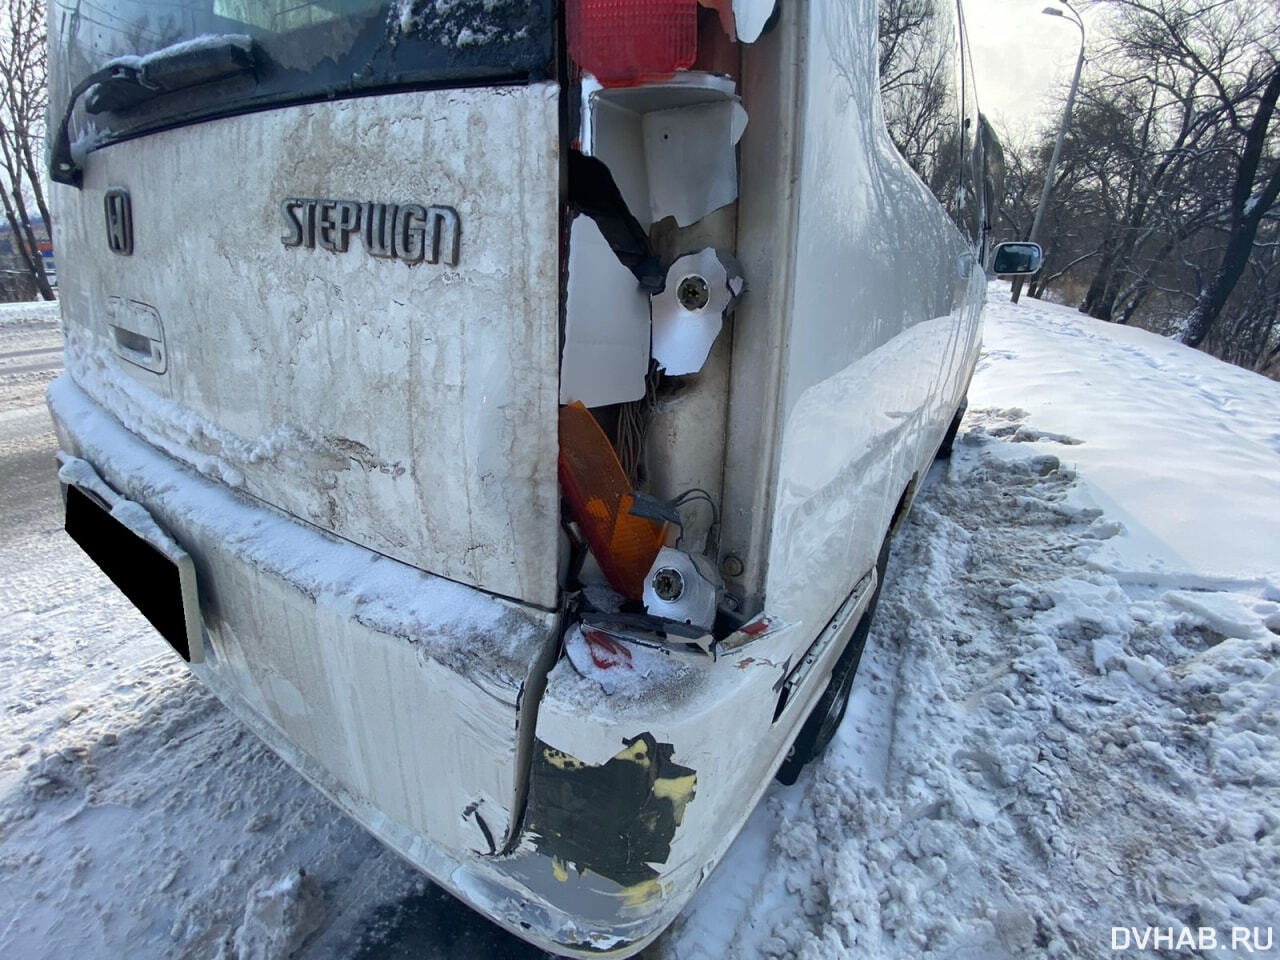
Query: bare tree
[
  {"x": 1254, "y": 193},
  {"x": 1190, "y": 168},
  {"x": 1251, "y": 336},
  {"x": 23, "y": 101}
]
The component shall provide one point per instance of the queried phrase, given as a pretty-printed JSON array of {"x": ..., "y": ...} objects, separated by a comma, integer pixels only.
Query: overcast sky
[{"x": 1023, "y": 61}]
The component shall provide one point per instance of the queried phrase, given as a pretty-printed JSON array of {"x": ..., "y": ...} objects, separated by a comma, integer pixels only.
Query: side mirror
[{"x": 1016, "y": 259}]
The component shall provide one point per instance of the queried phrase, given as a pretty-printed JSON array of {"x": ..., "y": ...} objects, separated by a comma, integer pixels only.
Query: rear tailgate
[{"x": 408, "y": 407}]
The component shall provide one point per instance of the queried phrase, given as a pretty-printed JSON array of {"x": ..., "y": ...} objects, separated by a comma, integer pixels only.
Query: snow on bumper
[{"x": 398, "y": 693}]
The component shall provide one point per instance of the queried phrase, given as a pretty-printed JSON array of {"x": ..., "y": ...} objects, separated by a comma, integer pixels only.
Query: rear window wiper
[{"x": 128, "y": 82}]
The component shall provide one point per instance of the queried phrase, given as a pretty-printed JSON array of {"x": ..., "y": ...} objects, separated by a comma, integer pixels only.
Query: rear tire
[
  {"x": 949, "y": 441},
  {"x": 820, "y": 727}
]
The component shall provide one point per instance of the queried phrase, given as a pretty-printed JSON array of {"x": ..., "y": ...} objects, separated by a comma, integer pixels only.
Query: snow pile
[
  {"x": 279, "y": 916},
  {"x": 35, "y": 312},
  {"x": 29, "y": 355},
  {"x": 177, "y": 429},
  {"x": 1177, "y": 447}
]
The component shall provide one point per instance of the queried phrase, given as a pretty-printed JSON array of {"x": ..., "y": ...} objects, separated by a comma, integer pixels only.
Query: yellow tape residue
[
  {"x": 679, "y": 790},
  {"x": 638, "y": 752},
  {"x": 561, "y": 760},
  {"x": 641, "y": 893},
  {"x": 560, "y": 869}
]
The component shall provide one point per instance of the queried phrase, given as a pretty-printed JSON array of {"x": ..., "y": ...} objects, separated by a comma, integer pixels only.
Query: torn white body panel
[
  {"x": 689, "y": 312},
  {"x": 689, "y": 154},
  {"x": 606, "y": 330},
  {"x": 406, "y": 406},
  {"x": 750, "y": 16},
  {"x": 670, "y": 146},
  {"x": 706, "y": 734}
]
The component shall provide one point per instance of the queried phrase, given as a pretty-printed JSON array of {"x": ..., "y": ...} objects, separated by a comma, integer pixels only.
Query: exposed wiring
[
  {"x": 633, "y": 427},
  {"x": 694, "y": 495}
]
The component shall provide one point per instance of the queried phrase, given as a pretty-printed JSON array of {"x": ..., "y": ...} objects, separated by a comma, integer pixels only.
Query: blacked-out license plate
[{"x": 159, "y": 579}]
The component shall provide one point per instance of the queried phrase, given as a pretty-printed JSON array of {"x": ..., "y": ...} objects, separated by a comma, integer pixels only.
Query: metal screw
[
  {"x": 668, "y": 584},
  {"x": 693, "y": 293}
]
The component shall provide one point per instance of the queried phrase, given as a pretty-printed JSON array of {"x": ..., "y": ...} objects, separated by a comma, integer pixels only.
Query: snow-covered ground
[{"x": 1065, "y": 722}]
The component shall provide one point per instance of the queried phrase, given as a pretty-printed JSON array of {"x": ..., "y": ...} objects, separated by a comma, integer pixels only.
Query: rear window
[{"x": 301, "y": 51}]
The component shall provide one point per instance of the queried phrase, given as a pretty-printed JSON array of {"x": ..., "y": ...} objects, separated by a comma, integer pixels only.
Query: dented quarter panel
[
  {"x": 408, "y": 407},
  {"x": 850, "y": 353},
  {"x": 883, "y": 318}
]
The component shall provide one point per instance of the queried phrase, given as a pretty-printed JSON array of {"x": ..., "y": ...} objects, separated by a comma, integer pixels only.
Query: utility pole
[{"x": 1062, "y": 132}]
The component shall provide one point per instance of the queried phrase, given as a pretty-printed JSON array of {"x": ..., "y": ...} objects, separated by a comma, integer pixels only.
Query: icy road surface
[{"x": 1067, "y": 719}]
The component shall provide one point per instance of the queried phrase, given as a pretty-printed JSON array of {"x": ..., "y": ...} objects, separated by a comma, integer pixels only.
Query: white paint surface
[
  {"x": 689, "y": 153},
  {"x": 750, "y": 16},
  {"x": 878, "y": 343},
  {"x": 409, "y": 408},
  {"x": 606, "y": 331}
]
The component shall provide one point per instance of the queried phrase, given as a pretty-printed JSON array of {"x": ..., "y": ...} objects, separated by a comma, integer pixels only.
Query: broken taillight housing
[
  {"x": 600, "y": 499},
  {"x": 623, "y": 42}
]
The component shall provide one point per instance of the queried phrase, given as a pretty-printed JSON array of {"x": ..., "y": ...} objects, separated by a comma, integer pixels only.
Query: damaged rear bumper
[{"x": 418, "y": 704}]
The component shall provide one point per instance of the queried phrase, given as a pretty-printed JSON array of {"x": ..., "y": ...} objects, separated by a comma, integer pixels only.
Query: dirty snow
[
  {"x": 1065, "y": 720},
  {"x": 602, "y": 665},
  {"x": 177, "y": 430},
  {"x": 459, "y": 23}
]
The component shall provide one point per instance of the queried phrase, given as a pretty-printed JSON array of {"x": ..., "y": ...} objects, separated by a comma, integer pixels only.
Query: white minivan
[{"x": 505, "y": 407}]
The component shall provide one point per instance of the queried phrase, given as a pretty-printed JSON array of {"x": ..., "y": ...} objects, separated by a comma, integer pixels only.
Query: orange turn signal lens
[{"x": 599, "y": 497}]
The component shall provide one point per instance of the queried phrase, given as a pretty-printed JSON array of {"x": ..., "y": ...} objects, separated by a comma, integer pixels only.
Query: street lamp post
[{"x": 1062, "y": 132}]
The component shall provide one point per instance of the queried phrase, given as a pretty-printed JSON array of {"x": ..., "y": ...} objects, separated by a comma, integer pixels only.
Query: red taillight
[{"x": 627, "y": 41}]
